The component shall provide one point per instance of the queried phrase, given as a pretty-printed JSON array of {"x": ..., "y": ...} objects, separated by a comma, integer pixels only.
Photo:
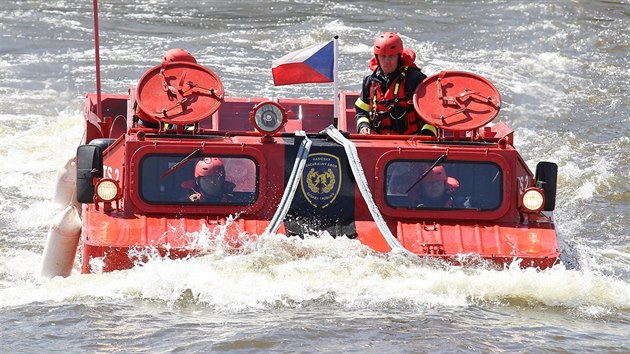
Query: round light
[
  {"x": 107, "y": 190},
  {"x": 268, "y": 117},
  {"x": 533, "y": 199}
]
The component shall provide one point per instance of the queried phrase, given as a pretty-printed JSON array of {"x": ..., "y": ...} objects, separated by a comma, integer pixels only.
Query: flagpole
[{"x": 336, "y": 81}]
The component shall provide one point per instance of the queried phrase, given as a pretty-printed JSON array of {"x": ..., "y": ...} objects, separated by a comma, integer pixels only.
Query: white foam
[{"x": 289, "y": 272}]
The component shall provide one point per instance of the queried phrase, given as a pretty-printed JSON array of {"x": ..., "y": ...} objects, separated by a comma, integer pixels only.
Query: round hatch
[
  {"x": 457, "y": 100},
  {"x": 178, "y": 93}
]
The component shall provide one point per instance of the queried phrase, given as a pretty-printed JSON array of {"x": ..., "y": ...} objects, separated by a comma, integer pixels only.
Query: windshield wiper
[
  {"x": 181, "y": 163},
  {"x": 437, "y": 162}
]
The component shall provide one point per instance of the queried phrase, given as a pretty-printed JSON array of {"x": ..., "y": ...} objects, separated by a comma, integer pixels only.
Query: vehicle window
[
  {"x": 203, "y": 180},
  {"x": 451, "y": 184}
]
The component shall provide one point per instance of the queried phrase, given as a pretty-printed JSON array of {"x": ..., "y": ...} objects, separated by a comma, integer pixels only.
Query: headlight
[
  {"x": 268, "y": 117},
  {"x": 532, "y": 200},
  {"x": 107, "y": 190}
]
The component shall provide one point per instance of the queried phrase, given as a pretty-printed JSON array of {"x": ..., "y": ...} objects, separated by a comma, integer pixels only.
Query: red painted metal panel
[{"x": 112, "y": 236}]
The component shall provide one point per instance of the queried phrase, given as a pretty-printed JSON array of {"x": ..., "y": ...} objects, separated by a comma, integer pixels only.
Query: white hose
[
  {"x": 292, "y": 183},
  {"x": 359, "y": 176}
]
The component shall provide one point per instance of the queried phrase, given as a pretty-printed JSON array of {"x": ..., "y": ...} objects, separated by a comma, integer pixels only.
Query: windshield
[
  {"x": 448, "y": 185},
  {"x": 203, "y": 180}
]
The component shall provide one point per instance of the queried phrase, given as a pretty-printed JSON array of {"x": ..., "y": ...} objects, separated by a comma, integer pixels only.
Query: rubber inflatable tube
[
  {"x": 61, "y": 244},
  {"x": 359, "y": 176},
  {"x": 65, "y": 184},
  {"x": 292, "y": 184}
]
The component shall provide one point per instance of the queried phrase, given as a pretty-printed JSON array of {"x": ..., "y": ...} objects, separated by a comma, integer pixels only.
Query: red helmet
[
  {"x": 209, "y": 166},
  {"x": 388, "y": 43},
  {"x": 177, "y": 54},
  {"x": 438, "y": 173}
]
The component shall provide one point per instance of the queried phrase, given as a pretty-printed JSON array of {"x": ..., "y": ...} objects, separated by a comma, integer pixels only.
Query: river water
[{"x": 561, "y": 67}]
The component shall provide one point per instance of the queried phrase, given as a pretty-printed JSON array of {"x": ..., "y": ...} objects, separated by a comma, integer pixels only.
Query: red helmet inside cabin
[
  {"x": 438, "y": 173},
  {"x": 178, "y": 54},
  {"x": 388, "y": 43},
  {"x": 209, "y": 166}
]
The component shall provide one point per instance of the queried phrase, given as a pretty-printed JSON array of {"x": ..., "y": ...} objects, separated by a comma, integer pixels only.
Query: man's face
[
  {"x": 388, "y": 63},
  {"x": 433, "y": 190},
  {"x": 211, "y": 185}
]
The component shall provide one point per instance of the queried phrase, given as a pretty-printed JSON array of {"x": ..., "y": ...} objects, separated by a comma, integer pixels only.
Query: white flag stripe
[{"x": 298, "y": 56}]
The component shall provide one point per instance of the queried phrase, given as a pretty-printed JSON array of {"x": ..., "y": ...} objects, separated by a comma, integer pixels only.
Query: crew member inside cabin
[
  {"x": 437, "y": 189},
  {"x": 385, "y": 105},
  {"x": 209, "y": 184}
]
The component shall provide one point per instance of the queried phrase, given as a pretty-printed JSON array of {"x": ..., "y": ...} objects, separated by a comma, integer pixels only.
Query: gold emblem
[{"x": 321, "y": 181}]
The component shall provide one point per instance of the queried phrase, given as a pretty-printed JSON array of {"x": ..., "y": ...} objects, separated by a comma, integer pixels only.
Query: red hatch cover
[
  {"x": 179, "y": 93},
  {"x": 457, "y": 100}
]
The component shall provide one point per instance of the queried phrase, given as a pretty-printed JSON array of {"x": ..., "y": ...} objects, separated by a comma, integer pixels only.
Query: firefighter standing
[{"x": 385, "y": 105}]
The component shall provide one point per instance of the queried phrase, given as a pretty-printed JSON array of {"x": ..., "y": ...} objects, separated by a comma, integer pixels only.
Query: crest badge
[{"x": 321, "y": 179}]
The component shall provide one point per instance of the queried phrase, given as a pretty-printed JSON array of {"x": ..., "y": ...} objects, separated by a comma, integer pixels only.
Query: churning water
[{"x": 561, "y": 67}]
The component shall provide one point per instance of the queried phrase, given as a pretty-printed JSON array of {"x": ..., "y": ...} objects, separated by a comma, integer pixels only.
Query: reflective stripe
[
  {"x": 430, "y": 128},
  {"x": 362, "y": 105},
  {"x": 374, "y": 94},
  {"x": 403, "y": 73}
]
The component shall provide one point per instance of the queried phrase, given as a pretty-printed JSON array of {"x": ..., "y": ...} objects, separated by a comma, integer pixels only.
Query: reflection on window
[
  {"x": 452, "y": 184},
  {"x": 204, "y": 180}
]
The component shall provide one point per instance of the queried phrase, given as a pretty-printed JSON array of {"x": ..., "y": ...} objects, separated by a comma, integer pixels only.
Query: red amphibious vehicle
[{"x": 295, "y": 166}]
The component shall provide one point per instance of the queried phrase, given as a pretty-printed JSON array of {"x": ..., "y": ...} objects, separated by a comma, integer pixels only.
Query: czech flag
[{"x": 310, "y": 65}]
